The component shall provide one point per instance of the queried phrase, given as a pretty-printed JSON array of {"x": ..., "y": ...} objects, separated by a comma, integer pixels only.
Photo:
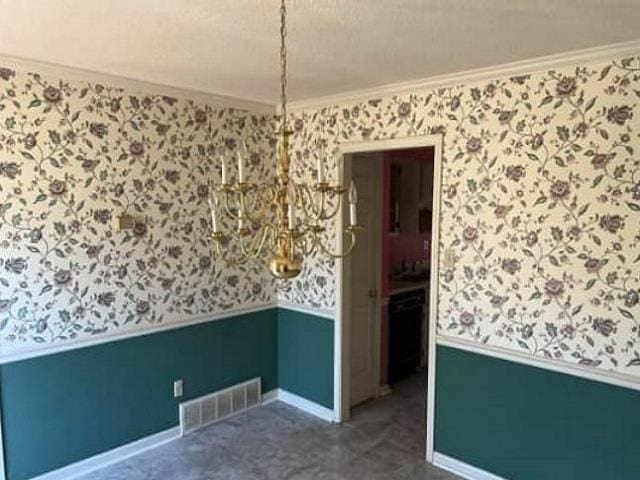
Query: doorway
[{"x": 362, "y": 333}]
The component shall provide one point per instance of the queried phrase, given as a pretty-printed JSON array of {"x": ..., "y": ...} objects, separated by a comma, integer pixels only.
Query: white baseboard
[
  {"x": 270, "y": 397},
  {"x": 112, "y": 456},
  {"x": 300, "y": 403},
  {"x": 462, "y": 469}
]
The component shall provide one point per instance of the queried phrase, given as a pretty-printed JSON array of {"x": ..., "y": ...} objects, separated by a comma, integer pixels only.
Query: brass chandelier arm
[
  {"x": 256, "y": 247},
  {"x": 258, "y": 242},
  {"x": 225, "y": 204},
  {"x": 315, "y": 205},
  {"x": 219, "y": 252},
  {"x": 310, "y": 241},
  {"x": 351, "y": 231},
  {"x": 339, "y": 201},
  {"x": 258, "y": 206},
  {"x": 318, "y": 205},
  {"x": 307, "y": 241},
  {"x": 258, "y": 209}
]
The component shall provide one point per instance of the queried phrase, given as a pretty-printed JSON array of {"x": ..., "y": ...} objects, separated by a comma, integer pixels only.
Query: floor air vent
[{"x": 216, "y": 406}]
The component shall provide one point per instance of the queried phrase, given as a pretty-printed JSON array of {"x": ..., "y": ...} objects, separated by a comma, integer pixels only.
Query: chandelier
[{"x": 283, "y": 220}]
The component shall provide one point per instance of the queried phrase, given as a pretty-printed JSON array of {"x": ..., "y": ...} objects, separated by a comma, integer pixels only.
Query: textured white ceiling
[{"x": 230, "y": 47}]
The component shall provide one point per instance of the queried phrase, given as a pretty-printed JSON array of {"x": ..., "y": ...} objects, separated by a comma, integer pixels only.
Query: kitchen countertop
[{"x": 402, "y": 286}]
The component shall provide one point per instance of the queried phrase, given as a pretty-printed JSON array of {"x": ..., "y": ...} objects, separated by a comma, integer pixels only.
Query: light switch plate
[
  {"x": 178, "y": 388},
  {"x": 124, "y": 221}
]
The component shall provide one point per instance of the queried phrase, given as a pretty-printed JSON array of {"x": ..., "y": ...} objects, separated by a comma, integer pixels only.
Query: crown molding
[
  {"x": 521, "y": 67},
  {"x": 132, "y": 84}
]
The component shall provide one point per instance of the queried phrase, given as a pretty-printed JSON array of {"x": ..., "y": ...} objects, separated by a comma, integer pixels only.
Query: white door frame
[{"x": 341, "y": 380}]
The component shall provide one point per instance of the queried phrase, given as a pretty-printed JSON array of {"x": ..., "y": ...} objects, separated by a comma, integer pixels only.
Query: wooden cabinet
[
  {"x": 411, "y": 197},
  {"x": 405, "y": 331}
]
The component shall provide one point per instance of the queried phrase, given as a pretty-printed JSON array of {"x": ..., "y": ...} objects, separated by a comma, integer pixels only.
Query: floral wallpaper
[
  {"x": 73, "y": 156},
  {"x": 540, "y": 232},
  {"x": 540, "y": 204}
]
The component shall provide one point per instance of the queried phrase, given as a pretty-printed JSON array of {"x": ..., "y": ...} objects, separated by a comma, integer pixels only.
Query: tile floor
[{"x": 384, "y": 440}]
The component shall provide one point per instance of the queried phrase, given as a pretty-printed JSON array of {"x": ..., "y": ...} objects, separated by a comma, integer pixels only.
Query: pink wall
[{"x": 407, "y": 247}]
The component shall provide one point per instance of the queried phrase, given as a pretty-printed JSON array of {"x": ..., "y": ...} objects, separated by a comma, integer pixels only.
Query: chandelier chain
[{"x": 283, "y": 63}]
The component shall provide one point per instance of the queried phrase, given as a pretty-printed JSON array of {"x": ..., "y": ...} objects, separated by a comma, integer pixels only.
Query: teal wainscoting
[
  {"x": 305, "y": 356},
  {"x": 527, "y": 423},
  {"x": 62, "y": 408}
]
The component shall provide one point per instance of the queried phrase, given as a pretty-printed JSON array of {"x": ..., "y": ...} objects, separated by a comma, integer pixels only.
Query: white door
[{"x": 365, "y": 263}]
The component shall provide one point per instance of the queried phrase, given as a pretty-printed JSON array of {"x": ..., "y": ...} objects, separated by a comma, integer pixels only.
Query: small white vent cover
[
  {"x": 189, "y": 416},
  {"x": 216, "y": 406}
]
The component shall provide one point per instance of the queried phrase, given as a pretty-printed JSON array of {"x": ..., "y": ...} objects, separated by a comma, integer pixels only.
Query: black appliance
[{"x": 406, "y": 312}]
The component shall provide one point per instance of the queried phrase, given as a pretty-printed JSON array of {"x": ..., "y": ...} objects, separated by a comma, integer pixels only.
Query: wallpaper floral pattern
[
  {"x": 540, "y": 233},
  {"x": 73, "y": 156},
  {"x": 540, "y": 203}
]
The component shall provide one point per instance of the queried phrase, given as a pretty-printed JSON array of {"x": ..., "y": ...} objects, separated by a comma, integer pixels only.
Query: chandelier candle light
[{"x": 284, "y": 220}]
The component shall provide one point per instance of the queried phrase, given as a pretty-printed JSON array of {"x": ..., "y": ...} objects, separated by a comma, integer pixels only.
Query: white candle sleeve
[
  {"x": 224, "y": 170},
  {"x": 214, "y": 216},
  {"x": 353, "y": 200},
  {"x": 320, "y": 171},
  {"x": 240, "y": 168},
  {"x": 353, "y": 217},
  {"x": 353, "y": 193}
]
